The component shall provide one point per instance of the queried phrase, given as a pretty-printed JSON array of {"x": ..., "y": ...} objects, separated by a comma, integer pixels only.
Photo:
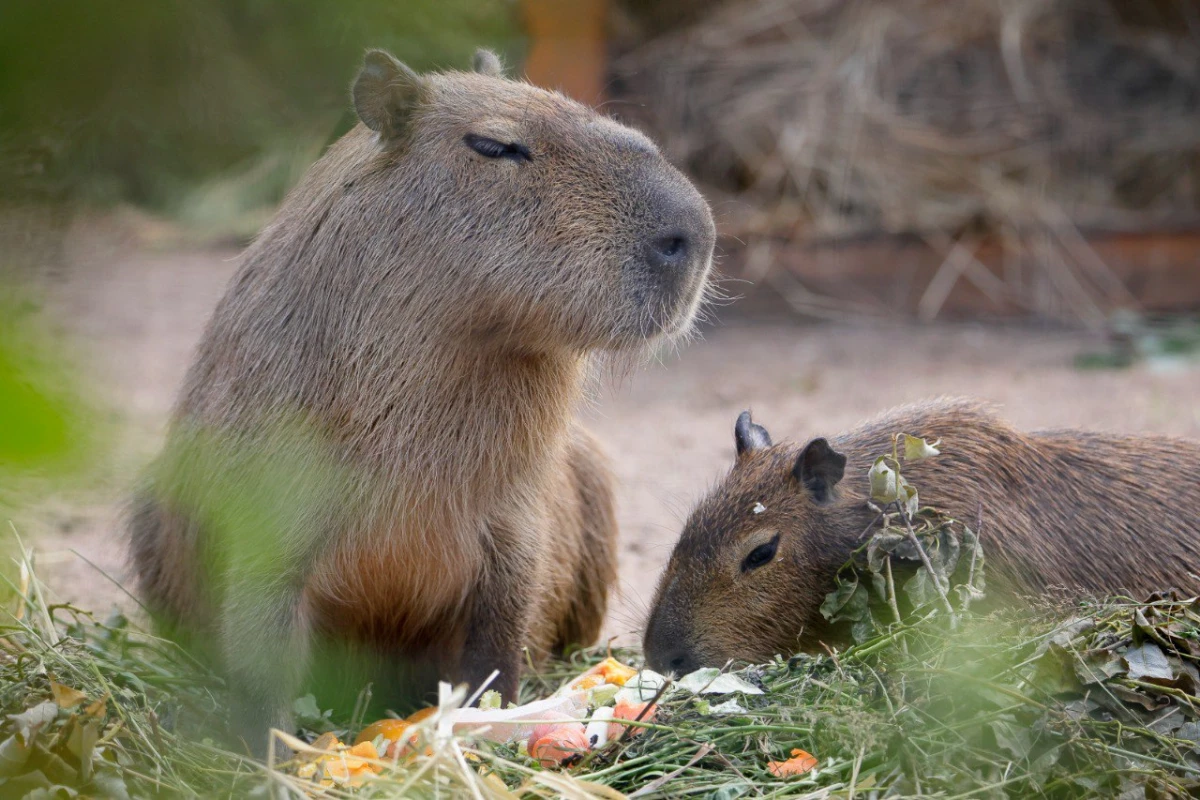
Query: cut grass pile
[{"x": 1070, "y": 701}]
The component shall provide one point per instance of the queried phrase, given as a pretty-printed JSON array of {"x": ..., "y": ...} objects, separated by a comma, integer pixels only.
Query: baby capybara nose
[
  {"x": 672, "y": 660},
  {"x": 667, "y": 646},
  {"x": 681, "y": 662}
]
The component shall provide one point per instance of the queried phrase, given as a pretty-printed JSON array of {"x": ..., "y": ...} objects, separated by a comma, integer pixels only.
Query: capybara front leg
[
  {"x": 498, "y": 618},
  {"x": 265, "y": 644}
]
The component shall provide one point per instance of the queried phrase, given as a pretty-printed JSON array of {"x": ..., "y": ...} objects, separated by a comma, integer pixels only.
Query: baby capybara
[{"x": 1094, "y": 513}]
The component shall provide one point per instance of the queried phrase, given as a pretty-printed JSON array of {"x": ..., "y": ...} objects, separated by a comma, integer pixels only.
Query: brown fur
[
  {"x": 427, "y": 315},
  {"x": 1095, "y": 513}
]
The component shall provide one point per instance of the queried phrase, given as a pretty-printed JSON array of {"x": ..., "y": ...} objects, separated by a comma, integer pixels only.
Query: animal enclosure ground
[{"x": 136, "y": 312}]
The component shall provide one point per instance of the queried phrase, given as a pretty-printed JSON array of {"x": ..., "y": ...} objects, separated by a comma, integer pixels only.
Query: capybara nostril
[
  {"x": 682, "y": 663},
  {"x": 670, "y": 250}
]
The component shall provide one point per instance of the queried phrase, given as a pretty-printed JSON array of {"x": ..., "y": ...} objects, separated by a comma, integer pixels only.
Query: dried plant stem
[{"x": 912, "y": 537}]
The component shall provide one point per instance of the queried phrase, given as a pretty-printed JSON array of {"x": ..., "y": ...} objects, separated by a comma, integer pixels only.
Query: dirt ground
[{"x": 136, "y": 312}]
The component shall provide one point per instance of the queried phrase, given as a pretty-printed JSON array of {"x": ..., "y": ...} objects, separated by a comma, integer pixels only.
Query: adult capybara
[
  {"x": 387, "y": 390},
  {"x": 1094, "y": 513}
]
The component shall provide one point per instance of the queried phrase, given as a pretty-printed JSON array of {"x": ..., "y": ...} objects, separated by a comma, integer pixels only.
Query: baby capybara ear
[
  {"x": 749, "y": 436},
  {"x": 487, "y": 63},
  {"x": 385, "y": 94},
  {"x": 819, "y": 468}
]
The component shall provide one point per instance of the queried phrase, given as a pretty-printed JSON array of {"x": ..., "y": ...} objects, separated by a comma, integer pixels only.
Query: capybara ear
[
  {"x": 488, "y": 63},
  {"x": 819, "y": 468},
  {"x": 749, "y": 436},
  {"x": 385, "y": 93}
]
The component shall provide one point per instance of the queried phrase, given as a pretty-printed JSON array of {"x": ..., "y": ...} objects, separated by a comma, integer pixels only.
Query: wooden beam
[{"x": 569, "y": 46}]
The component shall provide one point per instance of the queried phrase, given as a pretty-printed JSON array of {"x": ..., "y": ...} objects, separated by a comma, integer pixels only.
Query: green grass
[{"x": 1080, "y": 701}]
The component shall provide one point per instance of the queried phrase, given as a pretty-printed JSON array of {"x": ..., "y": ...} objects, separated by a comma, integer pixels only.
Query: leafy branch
[{"x": 905, "y": 535}]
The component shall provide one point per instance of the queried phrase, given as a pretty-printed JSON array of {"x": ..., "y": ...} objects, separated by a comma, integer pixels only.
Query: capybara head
[
  {"x": 550, "y": 226},
  {"x": 745, "y": 577}
]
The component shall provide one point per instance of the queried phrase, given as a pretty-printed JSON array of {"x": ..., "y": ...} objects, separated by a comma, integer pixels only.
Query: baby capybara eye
[{"x": 761, "y": 555}]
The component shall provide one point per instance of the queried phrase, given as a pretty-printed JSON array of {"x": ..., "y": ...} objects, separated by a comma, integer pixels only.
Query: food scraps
[
  {"x": 607, "y": 702},
  {"x": 338, "y": 764},
  {"x": 800, "y": 763}
]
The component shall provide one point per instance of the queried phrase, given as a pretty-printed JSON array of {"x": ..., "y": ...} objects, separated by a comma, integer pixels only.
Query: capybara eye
[
  {"x": 761, "y": 555},
  {"x": 491, "y": 148}
]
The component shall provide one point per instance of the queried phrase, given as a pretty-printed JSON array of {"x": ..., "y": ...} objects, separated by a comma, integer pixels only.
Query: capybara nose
[
  {"x": 681, "y": 663},
  {"x": 670, "y": 249},
  {"x": 678, "y": 660}
]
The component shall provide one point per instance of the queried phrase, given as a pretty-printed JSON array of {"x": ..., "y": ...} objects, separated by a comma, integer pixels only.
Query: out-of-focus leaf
[
  {"x": 29, "y": 722},
  {"x": 1135, "y": 698},
  {"x": 14, "y": 754},
  {"x": 110, "y": 784},
  {"x": 1080, "y": 709},
  {"x": 305, "y": 708},
  {"x": 1014, "y": 739},
  {"x": 46, "y": 427},
  {"x": 1170, "y": 721},
  {"x": 25, "y": 785},
  {"x": 1055, "y": 671},
  {"x": 56, "y": 792},
  {"x": 97, "y": 709},
  {"x": 65, "y": 696},
  {"x": 1189, "y": 731}
]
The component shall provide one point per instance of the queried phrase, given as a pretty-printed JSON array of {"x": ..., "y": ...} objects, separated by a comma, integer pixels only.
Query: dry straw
[{"x": 1019, "y": 122}]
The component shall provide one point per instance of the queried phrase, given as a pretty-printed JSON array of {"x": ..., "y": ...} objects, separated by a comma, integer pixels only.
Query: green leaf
[
  {"x": 921, "y": 589},
  {"x": 1016, "y": 740},
  {"x": 864, "y": 630},
  {"x": 908, "y": 494},
  {"x": 884, "y": 487},
  {"x": 306, "y": 710},
  {"x": 849, "y": 602},
  {"x": 1055, "y": 671},
  {"x": 918, "y": 449}
]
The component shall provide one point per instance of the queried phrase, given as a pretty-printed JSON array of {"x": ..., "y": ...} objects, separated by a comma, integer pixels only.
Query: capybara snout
[
  {"x": 676, "y": 254},
  {"x": 759, "y": 554}
]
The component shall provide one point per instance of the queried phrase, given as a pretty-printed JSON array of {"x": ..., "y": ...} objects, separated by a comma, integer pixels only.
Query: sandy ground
[{"x": 136, "y": 314}]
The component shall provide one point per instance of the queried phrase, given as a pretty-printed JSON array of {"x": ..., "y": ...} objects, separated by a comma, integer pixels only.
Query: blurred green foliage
[
  {"x": 48, "y": 430},
  {"x": 146, "y": 100}
]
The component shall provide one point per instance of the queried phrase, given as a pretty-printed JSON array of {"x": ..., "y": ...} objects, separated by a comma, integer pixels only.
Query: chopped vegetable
[
  {"x": 800, "y": 763},
  {"x": 390, "y": 729},
  {"x": 625, "y": 710},
  {"x": 341, "y": 765},
  {"x": 562, "y": 745}
]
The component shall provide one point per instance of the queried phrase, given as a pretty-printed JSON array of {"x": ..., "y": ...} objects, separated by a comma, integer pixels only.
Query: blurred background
[{"x": 998, "y": 198}]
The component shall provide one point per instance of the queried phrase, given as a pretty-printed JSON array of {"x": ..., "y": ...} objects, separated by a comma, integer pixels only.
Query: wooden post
[{"x": 568, "y": 48}]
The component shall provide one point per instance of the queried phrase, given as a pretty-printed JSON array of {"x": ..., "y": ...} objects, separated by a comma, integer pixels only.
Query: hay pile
[
  {"x": 1016, "y": 122},
  {"x": 1099, "y": 703}
]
